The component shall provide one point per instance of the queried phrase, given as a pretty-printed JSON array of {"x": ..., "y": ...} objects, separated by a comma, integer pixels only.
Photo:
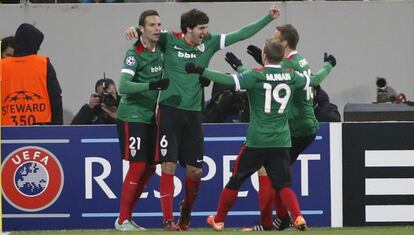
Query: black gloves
[
  {"x": 204, "y": 81},
  {"x": 256, "y": 53},
  {"x": 190, "y": 67},
  {"x": 161, "y": 84},
  {"x": 329, "y": 58},
  {"x": 233, "y": 61}
]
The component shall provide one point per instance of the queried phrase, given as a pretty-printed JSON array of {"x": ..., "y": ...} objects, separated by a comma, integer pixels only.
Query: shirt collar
[
  {"x": 278, "y": 66},
  {"x": 145, "y": 46},
  {"x": 292, "y": 53}
]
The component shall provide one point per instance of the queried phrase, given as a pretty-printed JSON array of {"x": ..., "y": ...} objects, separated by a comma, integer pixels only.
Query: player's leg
[
  {"x": 191, "y": 156},
  {"x": 266, "y": 196},
  {"x": 191, "y": 185},
  {"x": 279, "y": 172},
  {"x": 150, "y": 168},
  {"x": 168, "y": 134},
  {"x": 299, "y": 144},
  {"x": 136, "y": 153},
  {"x": 246, "y": 164},
  {"x": 167, "y": 194}
]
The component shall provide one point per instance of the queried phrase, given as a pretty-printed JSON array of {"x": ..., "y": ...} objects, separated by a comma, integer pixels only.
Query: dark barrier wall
[
  {"x": 378, "y": 173},
  {"x": 70, "y": 177}
]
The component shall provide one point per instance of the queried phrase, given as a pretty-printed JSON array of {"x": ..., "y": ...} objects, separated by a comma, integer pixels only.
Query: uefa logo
[{"x": 32, "y": 178}]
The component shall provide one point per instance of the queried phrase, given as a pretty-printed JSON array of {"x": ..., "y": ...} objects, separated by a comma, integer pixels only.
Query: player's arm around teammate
[
  {"x": 269, "y": 89},
  {"x": 227, "y": 79},
  {"x": 139, "y": 83},
  {"x": 179, "y": 115},
  {"x": 302, "y": 123},
  {"x": 243, "y": 33}
]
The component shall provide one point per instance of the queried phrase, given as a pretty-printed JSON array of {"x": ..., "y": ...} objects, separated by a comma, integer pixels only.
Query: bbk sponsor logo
[
  {"x": 32, "y": 178},
  {"x": 186, "y": 55},
  {"x": 155, "y": 69}
]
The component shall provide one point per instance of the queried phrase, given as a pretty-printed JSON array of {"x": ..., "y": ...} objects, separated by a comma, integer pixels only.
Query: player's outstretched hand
[
  {"x": 233, "y": 61},
  {"x": 256, "y": 53},
  {"x": 274, "y": 11},
  {"x": 329, "y": 58},
  {"x": 204, "y": 81},
  {"x": 161, "y": 84},
  {"x": 131, "y": 33},
  {"x": 191, "y": 67}
]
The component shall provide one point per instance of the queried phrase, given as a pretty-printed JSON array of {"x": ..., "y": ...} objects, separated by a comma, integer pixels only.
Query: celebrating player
[
  {"x": 180, "y": 136},
  {"x": 302, "y": 122},
  {"x": 140, "y": 82},
  {"x": 268, "y": 136}
]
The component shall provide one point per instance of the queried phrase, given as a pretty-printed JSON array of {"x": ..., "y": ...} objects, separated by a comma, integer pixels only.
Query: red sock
[
  {"x": 281, "y": 210},
  {"x": 227, "y": 198},
  {"x": 191, "y": 189},
  {"x": 142, "y": 184},
  {"x": 291, "y": 202},
  {"x": 166, "y": 196},
  {"x": 129, "y": 190},
  {"x": 266, "y": 194}
]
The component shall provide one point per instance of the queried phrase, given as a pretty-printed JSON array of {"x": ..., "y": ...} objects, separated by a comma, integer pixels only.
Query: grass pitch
[{"x": 395, "y": 230}]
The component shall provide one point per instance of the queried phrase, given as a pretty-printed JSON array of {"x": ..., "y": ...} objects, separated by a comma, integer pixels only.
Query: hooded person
[
  {"x": 325, "y": 111},
  {"x": 31, "y": 94}
]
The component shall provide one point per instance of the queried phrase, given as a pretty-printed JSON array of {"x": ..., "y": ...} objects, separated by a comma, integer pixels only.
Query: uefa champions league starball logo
[{"x": 32, "y": 178}]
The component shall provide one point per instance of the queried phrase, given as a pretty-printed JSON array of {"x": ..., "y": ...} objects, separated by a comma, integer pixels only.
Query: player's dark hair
[
  {"x": 144, "y": 16},
  {"x": 290, "y": 34},
  {"x": 274, "y": 51},
  {"x": 192, "y": 18},
  {"x": 7, "y": 42}
]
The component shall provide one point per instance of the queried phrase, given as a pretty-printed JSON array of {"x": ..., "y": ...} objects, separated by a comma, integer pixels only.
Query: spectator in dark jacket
[
  {"x": 102, "y": 106},
  {"x": 325, "y": 111},
  {"x": 226, "y": 105}
]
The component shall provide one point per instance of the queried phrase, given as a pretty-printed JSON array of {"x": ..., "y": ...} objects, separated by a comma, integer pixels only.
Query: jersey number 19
[{"x": 283, "y": 101}]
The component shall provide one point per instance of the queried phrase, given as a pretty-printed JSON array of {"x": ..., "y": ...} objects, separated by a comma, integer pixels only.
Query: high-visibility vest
[{"x": 24, "y": 96}]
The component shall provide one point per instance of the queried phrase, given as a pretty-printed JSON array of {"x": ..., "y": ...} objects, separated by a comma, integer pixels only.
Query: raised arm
[
  {"x": 251, "y": 29},
  {"x": 235, "y": 62},
  {"x": 317, "y": 78}
]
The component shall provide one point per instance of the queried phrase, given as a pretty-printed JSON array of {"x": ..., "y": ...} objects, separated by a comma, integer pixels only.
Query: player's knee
[
  {"x": 262, "y": 171},
  {"x": 194, "y": 172},
  {"x": 234, "y": 183},
  {"x": 168, "y": 167},
  {"x": 278, "y": 186}
]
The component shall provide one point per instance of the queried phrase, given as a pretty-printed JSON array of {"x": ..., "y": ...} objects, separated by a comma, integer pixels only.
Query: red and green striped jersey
[
  {"x": 269, "y": 90},
  {"x": 141, "y": 66},
  {"x": 302, "y": 120},
  {"x": 184, "y": 91}
]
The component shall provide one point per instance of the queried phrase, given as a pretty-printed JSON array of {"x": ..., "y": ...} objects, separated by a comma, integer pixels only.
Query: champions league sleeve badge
[{"x": 32, "y": 178}]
